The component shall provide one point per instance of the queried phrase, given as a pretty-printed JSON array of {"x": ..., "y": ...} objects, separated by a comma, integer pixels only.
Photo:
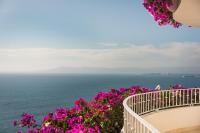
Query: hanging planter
[
  {"x": 162, "y": 11},
  {"x": 174, "y": 5}
]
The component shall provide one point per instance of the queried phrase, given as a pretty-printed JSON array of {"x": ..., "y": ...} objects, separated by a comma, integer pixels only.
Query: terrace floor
[
  {"x": 195, "y": 129},
  {"x": 176, "y": 120}
]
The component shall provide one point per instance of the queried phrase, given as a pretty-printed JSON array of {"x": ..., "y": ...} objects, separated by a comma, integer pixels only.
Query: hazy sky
[{"x": 44, "y": 35}]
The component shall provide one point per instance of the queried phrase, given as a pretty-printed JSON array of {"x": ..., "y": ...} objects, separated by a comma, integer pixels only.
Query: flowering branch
[{"x": 159, "y": 9}]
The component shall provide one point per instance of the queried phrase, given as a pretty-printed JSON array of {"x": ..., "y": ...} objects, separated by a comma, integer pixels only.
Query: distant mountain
[{"x": 152, "y": 71}]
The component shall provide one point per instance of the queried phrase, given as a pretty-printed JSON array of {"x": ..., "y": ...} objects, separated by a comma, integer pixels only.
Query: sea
[{"x": 39, "y": 94}]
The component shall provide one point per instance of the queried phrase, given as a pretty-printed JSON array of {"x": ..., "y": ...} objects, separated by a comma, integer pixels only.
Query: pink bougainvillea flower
[
  {"x": 48, "y": 117},
  {"x": 14, "y": 123},
  {"x": 60, "y": 114},
  {"x": 27, "y": 120},
  {"x": 80, "y": 104}
]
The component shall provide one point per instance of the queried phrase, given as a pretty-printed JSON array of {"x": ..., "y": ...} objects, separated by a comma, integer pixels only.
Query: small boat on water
[{"x": 188, "y": 76}]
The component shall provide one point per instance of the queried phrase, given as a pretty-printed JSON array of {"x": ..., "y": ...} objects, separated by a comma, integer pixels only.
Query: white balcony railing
[{"x": 140, "y": 104}]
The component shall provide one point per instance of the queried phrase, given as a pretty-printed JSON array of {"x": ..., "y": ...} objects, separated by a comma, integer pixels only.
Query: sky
[{"x": 92, "y": 36}]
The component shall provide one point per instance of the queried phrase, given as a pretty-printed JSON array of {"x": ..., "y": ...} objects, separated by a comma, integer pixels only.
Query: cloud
[
  {"x": 108, "y": 44},
  {"x": 144, "y": 57}
]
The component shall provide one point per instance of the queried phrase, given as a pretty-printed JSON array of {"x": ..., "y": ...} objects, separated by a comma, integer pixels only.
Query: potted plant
[{"x": 162, "y": 11}]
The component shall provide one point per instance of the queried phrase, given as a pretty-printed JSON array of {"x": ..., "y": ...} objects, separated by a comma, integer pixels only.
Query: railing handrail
[
  {"x": 144, "y": 122},
  {"x": 155, "y": 100},
  {"x": 160, "y": 91}
]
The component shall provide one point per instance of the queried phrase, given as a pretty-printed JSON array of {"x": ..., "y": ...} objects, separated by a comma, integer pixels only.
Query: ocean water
[{"x": 42, "y": 93}]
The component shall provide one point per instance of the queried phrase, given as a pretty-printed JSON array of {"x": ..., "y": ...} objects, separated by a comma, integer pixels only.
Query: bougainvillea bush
[
  {"x": 159, "y": 9},
  {"x": 103, "y": 114}
]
